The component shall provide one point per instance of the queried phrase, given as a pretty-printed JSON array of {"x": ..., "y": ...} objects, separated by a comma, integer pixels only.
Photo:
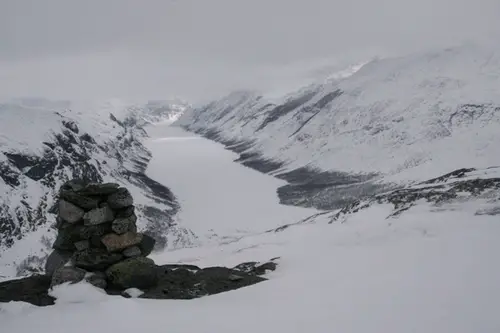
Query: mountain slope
[
  {"x": 44, "y": 143},
  {"x": 393, "y": 122}
]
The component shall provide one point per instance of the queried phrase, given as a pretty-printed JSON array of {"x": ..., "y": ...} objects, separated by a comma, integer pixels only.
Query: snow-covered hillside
[
  {"x": 394, "y": 121},
  {"x": 44, "y": 143}
]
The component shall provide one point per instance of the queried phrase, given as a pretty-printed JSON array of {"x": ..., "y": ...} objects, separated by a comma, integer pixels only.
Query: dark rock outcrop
[
  {"x": 184, "y": 282},
  {"x": 33, "y": 289},
  {"x": 454, "y": 186}
]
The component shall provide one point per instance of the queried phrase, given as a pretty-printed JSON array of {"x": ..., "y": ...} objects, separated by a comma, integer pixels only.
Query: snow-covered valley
[{"x": 390, "y": 176}]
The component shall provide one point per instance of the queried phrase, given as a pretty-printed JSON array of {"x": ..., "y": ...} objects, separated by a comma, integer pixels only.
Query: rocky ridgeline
[
  {"x": 97, "y": 235},
  {"x": 98, "y": 243}
]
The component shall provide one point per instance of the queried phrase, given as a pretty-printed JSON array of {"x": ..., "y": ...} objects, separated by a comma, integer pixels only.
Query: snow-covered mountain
[
  {"x": 44, "y": 143},
  {"x": 391, "y": 122}
]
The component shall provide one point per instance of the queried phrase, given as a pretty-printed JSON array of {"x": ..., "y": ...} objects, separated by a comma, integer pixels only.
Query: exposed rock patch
[
  {"x": 33, "y": 289},
  {"x": 457, "y": 185}
]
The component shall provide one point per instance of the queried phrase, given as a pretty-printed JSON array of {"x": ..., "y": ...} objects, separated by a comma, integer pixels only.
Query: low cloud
[{"x": 198, "y": 49}]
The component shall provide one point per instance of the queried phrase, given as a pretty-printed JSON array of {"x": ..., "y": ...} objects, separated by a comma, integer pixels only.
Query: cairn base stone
[
  {"x": 95, "y": 259},
  {"x": 137, "y": 272},
  {"x": 67, "y": 274},
  {"x": 87, "y": 203}
]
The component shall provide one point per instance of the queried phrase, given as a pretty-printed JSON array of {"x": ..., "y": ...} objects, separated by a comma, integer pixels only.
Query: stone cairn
[{"x": 98, "y": 240}]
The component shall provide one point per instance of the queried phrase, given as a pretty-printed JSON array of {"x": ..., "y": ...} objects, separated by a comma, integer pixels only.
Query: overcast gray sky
[{"x": 198, "y": 49}]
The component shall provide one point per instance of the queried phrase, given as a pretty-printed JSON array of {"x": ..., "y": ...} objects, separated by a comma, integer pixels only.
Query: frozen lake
[{"x": 216, "y": 194}]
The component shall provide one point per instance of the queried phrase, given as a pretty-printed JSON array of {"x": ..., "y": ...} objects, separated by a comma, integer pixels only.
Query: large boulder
[
  {"x": 120, "y": 199},
  {"x": 95, "y": 259},
  {"x": 33, "y": 289},
  {"x": 69, "y": 212},
  {"x": 114, "y": 242},
  {"x": 67, "y": 274},
  {"x": 137, "y": 272},
  {"x": 98, "y": 216}
]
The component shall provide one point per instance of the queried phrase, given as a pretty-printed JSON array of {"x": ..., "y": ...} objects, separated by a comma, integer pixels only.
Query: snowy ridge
[
  {"x": 44, "y": 143},
  {"x": 404, "y": 119}
]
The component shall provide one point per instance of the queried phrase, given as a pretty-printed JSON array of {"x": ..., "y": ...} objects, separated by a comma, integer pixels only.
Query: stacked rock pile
[{"x": 97, "y": 237}]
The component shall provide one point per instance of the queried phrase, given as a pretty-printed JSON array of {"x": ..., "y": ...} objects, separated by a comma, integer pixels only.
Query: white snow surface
[
  {"x": 409, "y": 118},
  {"x": 425, "y": 272}
]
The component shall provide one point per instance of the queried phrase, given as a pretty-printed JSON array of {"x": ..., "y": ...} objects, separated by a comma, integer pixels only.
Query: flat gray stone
[
  {"x": 69, "y": 212},
  {"x": 81, "y": 201},
  {"x": 67, "y": 274},
  {"x": 95, "y": 259},
  {"x": 131, "y": 252},
  {"x": 98, "y": 216}
]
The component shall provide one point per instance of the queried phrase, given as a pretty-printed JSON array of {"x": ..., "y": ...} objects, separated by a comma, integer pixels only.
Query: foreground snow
[{"x": 425, "y": 272}]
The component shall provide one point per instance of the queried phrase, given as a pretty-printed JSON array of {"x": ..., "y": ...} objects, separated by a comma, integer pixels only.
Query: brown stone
[{"x": 114, "y": 242}]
